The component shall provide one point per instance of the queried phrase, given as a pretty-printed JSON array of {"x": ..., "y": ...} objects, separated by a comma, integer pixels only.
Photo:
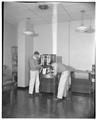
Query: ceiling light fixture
[
  {"x": 43, "y": 7},
  {"x": 82, "y": 27},
  {"x": 30, "y": 28}
]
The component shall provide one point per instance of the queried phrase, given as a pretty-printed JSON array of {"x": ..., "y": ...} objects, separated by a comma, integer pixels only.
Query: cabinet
[{"x": 80, "y": 85}]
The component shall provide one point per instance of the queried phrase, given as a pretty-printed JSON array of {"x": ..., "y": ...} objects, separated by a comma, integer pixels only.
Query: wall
[
  {"x": 21, "y": 55},
  {"x": 62, "y": 42},
  {"x": 10, "y": 39},
  {"x": 28, "y": 54},
  {"x": 81, "y": 44},
  {"x": 25, "y": 50},
  {"x": 81, "y": 47},
  {"x": 43, "y": 42}
]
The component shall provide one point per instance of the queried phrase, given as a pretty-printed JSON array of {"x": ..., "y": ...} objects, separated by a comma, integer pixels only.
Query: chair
[{"x": 8, "y": 85}]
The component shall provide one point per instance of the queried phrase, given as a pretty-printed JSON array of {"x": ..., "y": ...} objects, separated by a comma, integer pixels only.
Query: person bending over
[{"x": 65, "y": 79}]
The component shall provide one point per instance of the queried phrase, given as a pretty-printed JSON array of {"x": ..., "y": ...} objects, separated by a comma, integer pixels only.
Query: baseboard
[{"x": 23, "y": 87}]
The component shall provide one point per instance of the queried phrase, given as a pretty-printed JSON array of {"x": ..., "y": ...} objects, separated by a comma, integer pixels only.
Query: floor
[{"x": 44, "y": 106}]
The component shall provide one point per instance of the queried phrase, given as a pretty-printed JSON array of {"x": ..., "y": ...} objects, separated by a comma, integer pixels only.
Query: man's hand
[
  {"x": 41, "y": 69},
  {"x": 85, "y": 71}
]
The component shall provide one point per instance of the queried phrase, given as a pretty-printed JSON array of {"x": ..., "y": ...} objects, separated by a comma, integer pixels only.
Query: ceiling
[{"x": 15, "y": 12}]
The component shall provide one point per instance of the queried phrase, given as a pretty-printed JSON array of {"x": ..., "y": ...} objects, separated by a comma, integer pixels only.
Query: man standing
[
  {"x": 34, "y": 73},
  {"x": 65, "y": 79}
]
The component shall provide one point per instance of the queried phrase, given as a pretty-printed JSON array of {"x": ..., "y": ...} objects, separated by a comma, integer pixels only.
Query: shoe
[
  {"x": 58, "y": 99},
  {"x": 31, "y": 95},
  {"x": 37, "y": 94},
  {"x": 64, "y": 98}
]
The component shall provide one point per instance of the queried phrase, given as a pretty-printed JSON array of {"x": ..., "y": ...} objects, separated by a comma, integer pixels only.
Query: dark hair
[{"x": 36, "y": 53}]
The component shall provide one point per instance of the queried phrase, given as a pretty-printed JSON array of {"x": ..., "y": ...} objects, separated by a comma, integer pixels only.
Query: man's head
[{"x": 36, "y": 54}]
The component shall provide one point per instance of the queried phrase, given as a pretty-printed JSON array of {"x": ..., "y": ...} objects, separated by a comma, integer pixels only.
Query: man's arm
[
  {"x": 76, "y": 70},
  {"x": 72, "y": 69},
  {"x": 38, "y": 66},
  {"x": 33, "y": 65}
]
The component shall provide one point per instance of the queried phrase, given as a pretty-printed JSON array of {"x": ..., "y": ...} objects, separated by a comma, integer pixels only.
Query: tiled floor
[{"x": 44, "y": 106}]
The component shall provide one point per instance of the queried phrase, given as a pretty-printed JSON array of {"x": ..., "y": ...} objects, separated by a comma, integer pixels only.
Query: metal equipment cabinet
[{"x": 49, "y": 85}]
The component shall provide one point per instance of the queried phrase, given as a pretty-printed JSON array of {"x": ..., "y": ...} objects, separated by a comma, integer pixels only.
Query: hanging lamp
[
  {"x": 30, "y": 28},
  {"x": 82, "y": 27}
]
